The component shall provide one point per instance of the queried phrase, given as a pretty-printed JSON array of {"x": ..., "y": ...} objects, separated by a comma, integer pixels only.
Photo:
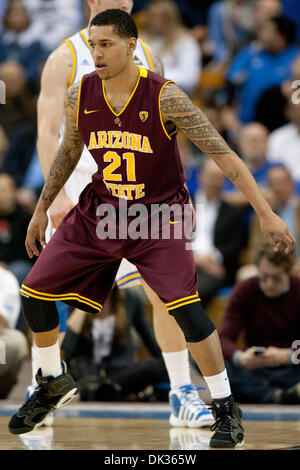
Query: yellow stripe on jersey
[
  {"x": 84, "y": 38},
  {"x": 74, "y": 62},
  {"x": 160, "y": 115},
  {"x": 107, "y": 102},
  {"x": 147, "y": 55},
  {"x": 78, "y": 102},
  {"x": 131, "y": 277}
]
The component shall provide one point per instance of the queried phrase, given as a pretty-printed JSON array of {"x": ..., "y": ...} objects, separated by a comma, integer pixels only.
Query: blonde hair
[{"x": 175, "y": 27}]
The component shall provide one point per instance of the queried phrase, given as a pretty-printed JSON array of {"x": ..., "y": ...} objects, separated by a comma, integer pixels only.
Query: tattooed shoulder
[{"x": 178, "y": 108}]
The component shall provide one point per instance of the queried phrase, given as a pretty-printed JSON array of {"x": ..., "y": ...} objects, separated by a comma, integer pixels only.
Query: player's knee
[
  {"x": 41, "y": 315},
  {"x": 194, "y": 322}
]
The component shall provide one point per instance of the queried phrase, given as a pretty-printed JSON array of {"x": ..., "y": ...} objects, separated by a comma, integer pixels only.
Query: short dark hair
[
  {"x": 123, "y": 24},
  {"x": 279, "y": 258},
  {"x": 286, "y": 28}
]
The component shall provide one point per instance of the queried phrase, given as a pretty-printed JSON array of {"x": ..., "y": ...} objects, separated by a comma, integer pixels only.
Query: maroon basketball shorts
[{"x": 79, "y": 268}]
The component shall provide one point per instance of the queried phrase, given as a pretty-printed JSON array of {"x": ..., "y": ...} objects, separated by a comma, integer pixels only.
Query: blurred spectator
[
  {"x": 193, "y": 13},
  {"x": 3, "y": 6},
  {"x": 15, "y": 45},
  {"x": 17, "y": 119},
  {"x": 14, "y": 341},
  {"x": 18, "y": 157},
  {"x": 102, "y": 352},
  {"x": 179, "y": 51},
  {"x": 32, "y": 183},
  {"x": 265, "y": 310},
  {"x": 252, "y": 147},
  {"x": 13, "y": 228},
  {"x": 230, "y": 26},
  {"x": 52, "y": 21},
  {"x": 3, "y": 146},
  {"x": 291, "y": 9},
  {"x": 266, "y": 9},
  {"x": 188, "y": 154},
  {"x": 272, "y": 109},
  {"x": 284, "y": 143},
  {"x": 286, "y": 204},
  {"x": 219, "y": 234},
  {"x": 20, "y": 107},
  {"x": 262, "y": 65}
]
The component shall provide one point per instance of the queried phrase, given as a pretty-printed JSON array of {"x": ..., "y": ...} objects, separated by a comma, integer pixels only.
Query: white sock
[
  {"x": 178, "y": 367},
  {"x": 49, "y": 360},
  {"x": 34, "y": 364},
  {"x": 218, "y": 385}
]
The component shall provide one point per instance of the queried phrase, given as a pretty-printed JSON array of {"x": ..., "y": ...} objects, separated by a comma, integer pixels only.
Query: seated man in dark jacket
[{"x": 265, "y": 310}]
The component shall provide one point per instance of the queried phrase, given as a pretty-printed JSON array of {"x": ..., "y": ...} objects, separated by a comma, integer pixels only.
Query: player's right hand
[
  {"x": 59, "y": 208},
  {"x": 36, "y": 233}
]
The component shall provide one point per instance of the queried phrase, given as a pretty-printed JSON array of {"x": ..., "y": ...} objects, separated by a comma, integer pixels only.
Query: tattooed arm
[
  {"x": 177, "y": 109},
  {"x": 65, "y": 161}
]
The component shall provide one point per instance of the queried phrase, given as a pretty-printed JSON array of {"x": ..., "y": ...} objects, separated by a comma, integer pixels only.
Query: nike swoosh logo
[
  {"x": 174, "y": 222},
  {"x": 90, "y": 112}
]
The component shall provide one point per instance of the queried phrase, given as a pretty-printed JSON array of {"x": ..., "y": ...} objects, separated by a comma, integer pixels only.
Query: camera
[{"x": 258, "y": 350}]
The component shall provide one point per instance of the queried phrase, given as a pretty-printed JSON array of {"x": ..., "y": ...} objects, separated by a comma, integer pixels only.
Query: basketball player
[
  {"x": 128, "y": 118},
  {"x": 65, "y": 66}
]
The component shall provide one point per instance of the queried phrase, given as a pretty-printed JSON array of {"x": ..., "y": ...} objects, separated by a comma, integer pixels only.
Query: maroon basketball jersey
[{"x": 137, "y": 159}]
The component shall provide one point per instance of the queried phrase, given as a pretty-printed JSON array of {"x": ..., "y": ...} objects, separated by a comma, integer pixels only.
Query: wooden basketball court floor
[{"x": 106, "y": 426}]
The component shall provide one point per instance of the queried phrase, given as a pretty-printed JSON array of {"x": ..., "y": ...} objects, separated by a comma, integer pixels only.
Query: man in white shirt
[
  {"x": 13, "y": 344},
  {"x": 284, "y": 143}
]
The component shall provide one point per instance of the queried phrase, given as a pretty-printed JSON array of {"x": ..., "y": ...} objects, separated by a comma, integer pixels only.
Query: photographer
[{"x": 265, "y": 310}]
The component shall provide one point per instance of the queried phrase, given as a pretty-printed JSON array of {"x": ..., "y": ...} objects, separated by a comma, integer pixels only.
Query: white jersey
[{"x": 84, "y": 64}]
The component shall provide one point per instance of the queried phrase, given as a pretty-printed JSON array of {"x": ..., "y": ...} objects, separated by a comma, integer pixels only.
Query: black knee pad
[
  {"x": 194, "y": 322},
  {"x": 41, "y": 315}
]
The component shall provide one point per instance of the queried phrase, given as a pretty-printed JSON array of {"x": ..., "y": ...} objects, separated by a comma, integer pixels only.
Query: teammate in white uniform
[{"x": 65, "y": 66}]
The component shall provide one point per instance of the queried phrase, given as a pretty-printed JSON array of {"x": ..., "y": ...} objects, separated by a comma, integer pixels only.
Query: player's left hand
[{"x": 277, "y": 232}]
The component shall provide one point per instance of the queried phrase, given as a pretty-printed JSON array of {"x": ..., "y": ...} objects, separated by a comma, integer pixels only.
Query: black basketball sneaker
[
  {"x": 228, "y": 428},
  {"x": 52, "y": 393}
]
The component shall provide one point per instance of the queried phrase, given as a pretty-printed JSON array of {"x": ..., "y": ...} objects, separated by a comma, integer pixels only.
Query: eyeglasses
[{"x": 275, "y": 277}]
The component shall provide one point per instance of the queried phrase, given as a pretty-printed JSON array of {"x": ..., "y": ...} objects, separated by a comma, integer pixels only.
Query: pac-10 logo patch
[{"x": 144, "y": 115}]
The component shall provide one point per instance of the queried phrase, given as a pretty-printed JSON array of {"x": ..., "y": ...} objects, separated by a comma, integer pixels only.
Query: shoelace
[
  {"x": 191, "y": 397},
  {"x": 224, "y": 421},
  {"x": 31, "y": 402}
]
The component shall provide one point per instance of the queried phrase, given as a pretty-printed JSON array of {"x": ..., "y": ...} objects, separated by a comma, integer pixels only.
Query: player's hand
[
  {"x": 36, "y": 232},
  {"x": 59, "y": 208},
  {"x": 277, "y": 232}
]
